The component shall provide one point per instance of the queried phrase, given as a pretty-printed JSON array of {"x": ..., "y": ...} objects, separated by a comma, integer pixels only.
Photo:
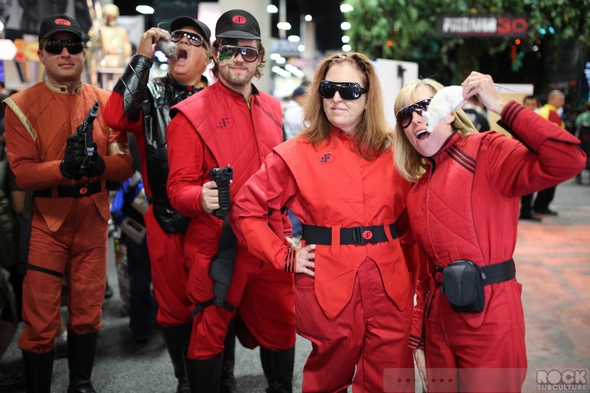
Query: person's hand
[
  {"x": 94, "y": 165},
  {"x": 483, "y": 87},
  {"x": 73, "y": 156},
  {"x": 210, "y": 197},
  {"x": 420, "y": 361},
  {"x": 305, "y": 259},
  {"x": 147, "y": 40}
]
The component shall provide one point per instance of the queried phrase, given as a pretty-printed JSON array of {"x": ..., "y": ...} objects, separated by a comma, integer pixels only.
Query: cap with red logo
[
  {"x": 56, "y": 23},
  {"x": 237, "y": 24}
]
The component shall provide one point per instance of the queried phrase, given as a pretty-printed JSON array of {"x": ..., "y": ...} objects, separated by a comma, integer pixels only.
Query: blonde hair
[
  {"x": 410, "y": 164},
  {"x": 373, "y": 135}
]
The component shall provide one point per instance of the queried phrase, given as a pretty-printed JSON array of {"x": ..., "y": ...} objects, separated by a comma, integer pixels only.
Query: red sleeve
[
  {"x": 115, "y": 117},
  {"x": 268, "y": 189},
  {"x": 421, "y": 281},
  {"x": 545, "y": 156},
  {"x": 188, "y": 161},
  {"x": 30, "y": 171}
]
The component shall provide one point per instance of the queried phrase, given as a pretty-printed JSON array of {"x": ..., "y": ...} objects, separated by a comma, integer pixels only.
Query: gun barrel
[{"x": 92, "y": 113}]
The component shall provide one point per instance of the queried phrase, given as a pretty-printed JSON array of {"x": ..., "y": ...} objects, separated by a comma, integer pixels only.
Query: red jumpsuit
[
  {"x": 356, "y": 312},
  {"x": 212, "y": 129},
  {"x": 466, "y": 207},
  {"x": 68, "y": 234}
]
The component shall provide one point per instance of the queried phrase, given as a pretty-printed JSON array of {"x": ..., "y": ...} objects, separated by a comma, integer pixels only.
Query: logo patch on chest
[
  {"x": 224, "y": 122},
  {"x": 325, "y": 158}
]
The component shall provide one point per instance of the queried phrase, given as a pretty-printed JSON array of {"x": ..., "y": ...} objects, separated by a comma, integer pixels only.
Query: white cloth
[{"x": 292, "y": 119}]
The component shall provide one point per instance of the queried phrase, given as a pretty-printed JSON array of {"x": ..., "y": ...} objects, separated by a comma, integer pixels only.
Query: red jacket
[
  {"x": 335, "y": 187},
  {"x": 467, "y": 208},
  {"x": 213, "y": 129}
]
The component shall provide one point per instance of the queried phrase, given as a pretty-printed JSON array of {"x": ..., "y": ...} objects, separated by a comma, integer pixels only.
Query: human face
[
  {"x": 235, "y": 72},
  {"x": 427, "y": 144},
  {"x": 190, "y": 62},
  {"x": 345, "y": 114},
  {"x": 558, "y": 101},
  {"x": 530, "y": 103},
  {"x": 64, "y": 68}
]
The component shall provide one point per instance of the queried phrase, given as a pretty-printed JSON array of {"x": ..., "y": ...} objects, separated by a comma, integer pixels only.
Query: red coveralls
[
  {"x": 68, "y": 234},
  {"x": 357, "y": 310},
  {"x": 213, "y": 129},
  {"x": 166, "y": 250},
  {"x": 466, "y": 207}
]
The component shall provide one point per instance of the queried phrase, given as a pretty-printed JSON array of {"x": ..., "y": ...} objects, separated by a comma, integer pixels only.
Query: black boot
[
  {"x": 177, "y": 339},
  {"x": 227, "y": 383},
  {"x": 38, "y": 369},
  {"x": 203, "y": 375},
  {"x": 81, "y": 349},
  {"x": 278, "y": 369}
]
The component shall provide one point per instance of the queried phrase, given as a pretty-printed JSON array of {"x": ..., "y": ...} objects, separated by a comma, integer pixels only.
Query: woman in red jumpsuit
[
  {"x": 353, "y": 295},
  {"x": 464, "y": 210}
]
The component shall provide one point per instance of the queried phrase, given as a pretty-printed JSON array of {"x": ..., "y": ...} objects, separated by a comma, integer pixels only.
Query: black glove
[
  {"x": 94, "y": 165},
  {"x": 73, "y": 156}
]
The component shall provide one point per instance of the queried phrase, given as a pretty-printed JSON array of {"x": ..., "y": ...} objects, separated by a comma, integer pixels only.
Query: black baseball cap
[
  {"x": 60, "y": 22},
  {"x": 237, "y": 24},
  {"x": 182, "y": 21}
]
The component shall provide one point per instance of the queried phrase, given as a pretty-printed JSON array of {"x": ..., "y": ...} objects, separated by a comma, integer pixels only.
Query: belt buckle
[
  {"x": 82, "y": 190},
  {"x": 362, "y": 235}
]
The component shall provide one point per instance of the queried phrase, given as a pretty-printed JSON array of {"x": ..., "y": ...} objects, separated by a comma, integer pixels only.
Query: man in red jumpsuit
[
  {"x": 230, "y": 123},
  {"x": 70, "y": 209},
  {"x": 142, "y": 106}
]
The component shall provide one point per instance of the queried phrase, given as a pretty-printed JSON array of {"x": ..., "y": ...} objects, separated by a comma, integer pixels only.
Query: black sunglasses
[
  {"x": 248, "y": 54},
  {"x": 193, "y": 38},
  {"x": 404, "y": 115},
  {"x": 55, "y": 47},
  {"x": 347, "y": 90}
]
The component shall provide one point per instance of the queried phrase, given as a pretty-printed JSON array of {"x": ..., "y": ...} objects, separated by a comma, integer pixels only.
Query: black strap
[
  {"x": 492, "y": 274},
  {"x": 74, "y": 191},
  {"x": 221, "y": 270},
  {"x": 42, "y": 270},
  {"x": 358, "y": 235}
]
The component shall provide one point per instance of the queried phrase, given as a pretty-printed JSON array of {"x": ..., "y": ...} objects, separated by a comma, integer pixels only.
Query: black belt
[
  {"x": 358, "y": 235},
  {"x": 492, "y": 274},
  {"x": 75, "y": 191}
]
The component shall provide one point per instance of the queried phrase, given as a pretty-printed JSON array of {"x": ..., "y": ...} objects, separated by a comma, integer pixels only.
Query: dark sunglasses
[
  {"x": 347, "y": 90},
  {"x": 55, "y": 47},
  {"x": 193, "y": 38},
  {"x": 404, "y": 115},
  {"x": 248, "y": 54}
]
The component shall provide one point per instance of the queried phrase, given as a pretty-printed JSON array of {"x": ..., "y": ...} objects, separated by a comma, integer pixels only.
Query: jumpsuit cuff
[{"x": 416, "y": 342}]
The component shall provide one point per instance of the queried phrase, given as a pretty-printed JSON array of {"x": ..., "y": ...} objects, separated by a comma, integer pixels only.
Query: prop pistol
[
  {"x": 86, "y": 129},
  {"x": 222, "y": 176}
]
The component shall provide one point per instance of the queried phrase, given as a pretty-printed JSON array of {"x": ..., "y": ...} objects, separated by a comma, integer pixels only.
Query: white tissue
[{"x": 445, "y": 101}]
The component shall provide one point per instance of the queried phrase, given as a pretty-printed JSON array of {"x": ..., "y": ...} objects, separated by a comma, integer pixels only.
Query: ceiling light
[
  {"x": 346, "y": 8},
  {"x": 284, "y": 26},
  {"x": 346, "y": 48},
  {"x": 144, "y": 9},
  {"x": 301, "y": 48},
  {"x": 345, "y": 39},
  {"x": 345, "y": 25},
  {"x": 308, "y": 18},
  {"x": 294, "y": 38},
  {"x": 272, "y": 9}
]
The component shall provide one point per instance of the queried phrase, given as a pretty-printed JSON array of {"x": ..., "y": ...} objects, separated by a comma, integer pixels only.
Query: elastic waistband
[
  {"x": 492, "y": 274},
  {"x": 358, "y": 235},
  {"x": 74, "y": 191}
]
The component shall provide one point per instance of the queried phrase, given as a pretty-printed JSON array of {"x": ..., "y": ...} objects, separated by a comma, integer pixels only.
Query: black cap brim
[
  {"x": 182, "y": 21},
  {"x": 238, "y": 34}
]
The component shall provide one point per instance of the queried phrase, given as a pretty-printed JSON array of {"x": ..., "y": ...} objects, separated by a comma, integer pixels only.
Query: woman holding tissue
[
  {"x": 464, "y": 210},
  {"x": 353, "y": 295}
]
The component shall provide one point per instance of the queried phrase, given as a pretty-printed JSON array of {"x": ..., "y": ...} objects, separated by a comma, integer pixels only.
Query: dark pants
[
  {"x": 544, "y": 198},
  {"x": 526, "y": 207},
  {"x": 142, "y": 305}
]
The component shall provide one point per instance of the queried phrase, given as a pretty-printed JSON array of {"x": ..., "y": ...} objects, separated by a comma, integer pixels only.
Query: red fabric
[
  {"x": 370, "y": 333},
  {"x": 78, "y": 248},
  {"x": 213, "y": 129},
  {"x": 466, "y": 213},
  {"x": 169, "y": 271},
  {"x": 35, "y": 143},
  {"x": 342, "y": 191}
]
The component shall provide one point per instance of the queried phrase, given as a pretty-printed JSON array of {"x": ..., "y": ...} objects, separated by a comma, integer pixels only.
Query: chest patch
[
  {"x": 224, "y": 122},
  {"x": 325, "y": 158}
]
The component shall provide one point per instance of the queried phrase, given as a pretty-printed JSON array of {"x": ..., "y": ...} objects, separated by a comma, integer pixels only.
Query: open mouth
[
  {"x": 181, "y": 54},
  {"x": 422, "y": 135}
]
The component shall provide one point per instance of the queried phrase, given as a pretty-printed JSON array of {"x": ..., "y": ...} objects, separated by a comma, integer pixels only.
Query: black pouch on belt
[{"x": 463, "y": 285}]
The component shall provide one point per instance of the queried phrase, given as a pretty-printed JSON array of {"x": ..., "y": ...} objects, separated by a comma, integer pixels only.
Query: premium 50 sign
[{"x": 482, "y": 26}]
